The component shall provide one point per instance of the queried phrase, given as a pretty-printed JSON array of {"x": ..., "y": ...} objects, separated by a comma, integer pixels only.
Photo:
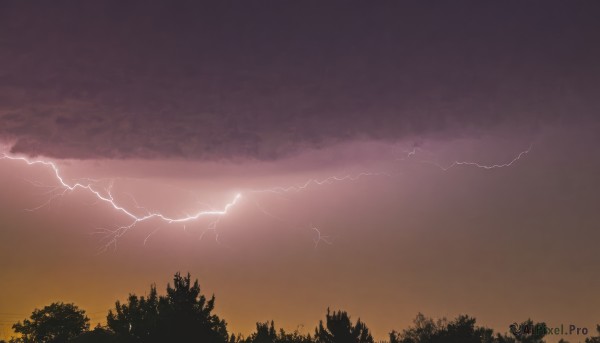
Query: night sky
[{"x": 452, "y": 148}]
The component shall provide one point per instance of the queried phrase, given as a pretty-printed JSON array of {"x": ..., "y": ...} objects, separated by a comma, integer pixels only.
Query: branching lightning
[
  {"x": 482, "y": 166},
  {"x": 316, "y": 182},
  {"x": 105, "y": 194},
  {"x": 320, "y": 238},
  {"x": 109, "y": 199}
]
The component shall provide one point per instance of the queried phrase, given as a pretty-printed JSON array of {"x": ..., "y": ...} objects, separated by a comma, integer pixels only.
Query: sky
[{"x": 382, "y": 158}]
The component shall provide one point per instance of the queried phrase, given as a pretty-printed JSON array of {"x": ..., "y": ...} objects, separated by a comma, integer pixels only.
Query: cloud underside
[{"x": 200, "y": 83}]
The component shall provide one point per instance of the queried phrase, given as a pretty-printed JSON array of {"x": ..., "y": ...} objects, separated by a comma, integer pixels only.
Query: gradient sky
[{"x": 183, "y": 105}]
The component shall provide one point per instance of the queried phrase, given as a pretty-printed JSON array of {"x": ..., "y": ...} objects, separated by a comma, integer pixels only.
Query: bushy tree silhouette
[
  {"x": 266, "y": 333},
  {"x": 55, "y": 323},
  {"x": 339, "y": 329},
  {"x": 98, "y": 335},
  {"x": 294, "y": 337},
  {"x": 185, "y": 314},
  {"x": 182, "y": 315},
  {"x": 460, "y": 330},
  {"x": 526, "y": 332},
  {"x": 424, "y": 330},
  {"x": 136, "y": 320},
  {"x": 595, "y": 339}
]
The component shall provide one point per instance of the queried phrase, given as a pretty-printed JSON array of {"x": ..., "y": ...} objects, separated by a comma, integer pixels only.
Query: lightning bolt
[
  {"x": 482, "y": 166},
  {"x": 320, "y": 237},
  {"x": 317, "y": 182},
  {"x": 105, "y": 195},
  {"x": 408, "y": 153},
  {"x": 109, "y": 199}
]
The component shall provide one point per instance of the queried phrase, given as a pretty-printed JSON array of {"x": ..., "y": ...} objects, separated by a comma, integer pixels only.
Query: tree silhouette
[
  {"x": 182, "y": 315},
  {"x": 504, "y": 339},
  {"x": 528, "y": 332},
  {"x": 460, "y": 330},
  {"x": 339, "y": 329},
  {"x": 98, "y": 335},
  {"x": 463, "y": 330},
  {"x": 55, "y": 323},
  {"x": 424, "y": 330},
  {"x": 266, "y": 333},
  {"x": 185, "y": 314},
  {"x": 136, "y": 320},
  {"x": 595, "y": 339},
  {"x": 294, "y": 337}
]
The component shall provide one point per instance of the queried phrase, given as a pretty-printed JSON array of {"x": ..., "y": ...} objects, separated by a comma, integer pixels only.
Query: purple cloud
[{"x": 187, "y": 80}]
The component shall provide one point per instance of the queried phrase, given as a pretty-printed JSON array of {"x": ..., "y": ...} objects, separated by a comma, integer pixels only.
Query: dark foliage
[
  {"x": 98, "y": 335},
  {"x": 462, "y": 330},
  {"x": 339, "y": 329},
  {"x": 266, "y": 333},
  {"x": 595, "y": 339},
  {"x": 55, "y": 323},
  {"x": 183, "y": 314}
]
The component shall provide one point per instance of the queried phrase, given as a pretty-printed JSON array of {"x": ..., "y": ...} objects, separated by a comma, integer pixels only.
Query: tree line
[{"x": 184, "y": 314}]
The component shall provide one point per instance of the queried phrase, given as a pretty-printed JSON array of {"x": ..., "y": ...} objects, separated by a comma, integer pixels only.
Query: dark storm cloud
[{"x": 187, "y": 79}]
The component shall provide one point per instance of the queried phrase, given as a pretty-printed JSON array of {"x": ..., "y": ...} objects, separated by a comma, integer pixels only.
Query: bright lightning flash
[
  {"x": 105, "y": 195},
  {"x": 108, "y": 198}
]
